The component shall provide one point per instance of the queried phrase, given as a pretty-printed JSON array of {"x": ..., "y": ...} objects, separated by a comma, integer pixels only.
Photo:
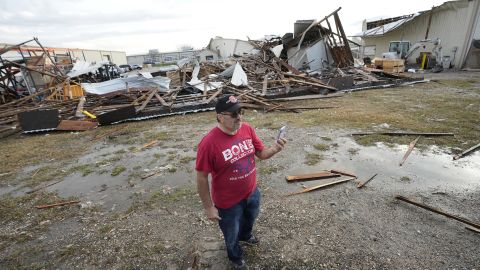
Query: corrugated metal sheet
[
  {"x": 381, "y": 30},
  {"x": 111, "y": 86}
]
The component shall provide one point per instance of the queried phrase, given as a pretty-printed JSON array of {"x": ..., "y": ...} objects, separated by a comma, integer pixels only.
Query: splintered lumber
[
  {"x": 42, "y": 187},
  {"x": 320, "y": 186},
  {"x": 343, "y": 173},
  {"x": 360, "y": 185},
  {"x": 467, "y": 152},
  {"x": 318, "y": 96},
  {"x": 438, "y": 211},
  {"x": 410, "y": 148},
  {"x": 55, "y": 204},
  {"x": 403, "y": 133},
  {"x": 148, "y": 145},
  {"x": 313, "y": 84},
  {"x": 76, "y": 125},
  {"x": 311, "y": 176}
]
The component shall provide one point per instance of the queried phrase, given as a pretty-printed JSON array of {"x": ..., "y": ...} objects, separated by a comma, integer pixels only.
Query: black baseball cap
[{"x": 227, "y": 104}]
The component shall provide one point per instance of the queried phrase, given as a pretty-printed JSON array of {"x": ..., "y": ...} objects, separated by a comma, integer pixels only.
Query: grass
[
  {"x": 353, "y": 151},
  {"x": 117, "y": 170},
  {"x": 313, "y": 158},
  {"x": 422, "y": 108},
  {"x": 264, "y": 169},
  {"x": 84, "y": 169},
  {"x": 405, "y": 179},
  {"x": 163, "y": 197},
  {"x": 186, "y": 159},
  {"x": 321, "y": 147},
  {"x": 20, "y": 209}
]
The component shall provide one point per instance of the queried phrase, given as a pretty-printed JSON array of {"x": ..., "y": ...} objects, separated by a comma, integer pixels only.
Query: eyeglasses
[{"x": 234, "y": 114}]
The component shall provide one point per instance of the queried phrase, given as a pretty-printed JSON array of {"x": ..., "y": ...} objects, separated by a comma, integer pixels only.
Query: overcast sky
[{"x": 140, "y": 25}]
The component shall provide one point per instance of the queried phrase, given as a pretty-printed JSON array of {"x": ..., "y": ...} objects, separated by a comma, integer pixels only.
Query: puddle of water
[
  {"x": 115, "y": 192},
  {"x": 432, "y": 170}
]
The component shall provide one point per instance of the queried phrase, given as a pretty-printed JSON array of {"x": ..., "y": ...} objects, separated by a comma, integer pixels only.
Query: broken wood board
[
  {"x": 55, "y": 204},
  {"x": 320, "y": 186},
  {"x": 410, "y": 148},
  {"x": 319, "y": 96},
  {"x": 467, "y": 152},
  {"x": 360, "y": 185},
  {"x": 311, "y": 176},
  {"x": 438, "y": 211},
  {"x": 76, "y": 125},
  {"x": 343, "y": 173},
  {"x": 147, "y": 145}
]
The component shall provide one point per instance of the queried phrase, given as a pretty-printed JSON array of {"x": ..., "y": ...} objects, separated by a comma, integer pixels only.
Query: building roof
[
  {"x": 383, "y": 29},
  {"x": 400, "y": 21}
]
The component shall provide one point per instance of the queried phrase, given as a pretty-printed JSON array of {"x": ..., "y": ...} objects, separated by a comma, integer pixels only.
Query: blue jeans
[{"x": 237, "y": 224}]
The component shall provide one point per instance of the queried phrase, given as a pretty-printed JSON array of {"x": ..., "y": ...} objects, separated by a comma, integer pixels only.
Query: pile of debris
[{"x": 52, "y": 95}]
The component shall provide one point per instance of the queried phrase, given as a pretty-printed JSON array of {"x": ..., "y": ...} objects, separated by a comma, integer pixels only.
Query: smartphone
[{"x": 281, "y": 133}]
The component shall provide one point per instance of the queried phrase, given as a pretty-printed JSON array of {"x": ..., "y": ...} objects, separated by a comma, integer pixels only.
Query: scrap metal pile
[{"x": 315, "y": 60}]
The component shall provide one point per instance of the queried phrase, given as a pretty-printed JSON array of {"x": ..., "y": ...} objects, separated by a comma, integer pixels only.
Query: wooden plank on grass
[
  {"x": 55, "y": 204},
  {"x": 438, "y": 211},
  {"x": 467, "y": 152}
]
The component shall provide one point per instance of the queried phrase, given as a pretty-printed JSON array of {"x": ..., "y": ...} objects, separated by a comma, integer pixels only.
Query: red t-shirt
[{"x": 231, "y": 161}]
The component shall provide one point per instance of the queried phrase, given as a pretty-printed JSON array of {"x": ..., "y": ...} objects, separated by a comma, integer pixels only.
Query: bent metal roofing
[{"x": 383, "y": 29}]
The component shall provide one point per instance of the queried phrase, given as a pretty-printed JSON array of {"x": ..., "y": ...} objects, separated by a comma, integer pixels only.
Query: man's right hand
[{"x": 212, "y": 213}]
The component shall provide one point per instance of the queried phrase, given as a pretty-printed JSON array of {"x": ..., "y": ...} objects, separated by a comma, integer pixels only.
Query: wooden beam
[
  {"x": 320, "y": 186},
  {"x": 152, "y": 93},
  {"x": 467, "y": 152},
  {"x": 311, "y": 176},
  {"x": 438, "y": 211},
  {"x": 410, "y": 148},
  {"x": 161, "y": 100},
  {"x": 343, "y": 173},
  {"x": 265, "y": 85},
  {"x": 360, "y": 185},
  {"x": 313, "y": 84},
  {"x": 55, "y": 204}
]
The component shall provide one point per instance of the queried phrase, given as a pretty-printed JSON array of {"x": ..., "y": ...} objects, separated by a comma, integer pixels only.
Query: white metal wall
[
  {"x": 228, "y": 47},
  {"x": 449, "y": 23}
]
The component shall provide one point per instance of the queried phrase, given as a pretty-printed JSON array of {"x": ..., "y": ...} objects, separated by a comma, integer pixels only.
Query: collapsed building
[{"x": 315, "y": 59}]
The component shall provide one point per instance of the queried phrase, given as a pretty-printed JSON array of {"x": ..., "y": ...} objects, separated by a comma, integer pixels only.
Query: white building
[
  {"x": 116, "y": 57},
  {"x": 155, "y": 57},
  {"x": 455, "y": 24}
]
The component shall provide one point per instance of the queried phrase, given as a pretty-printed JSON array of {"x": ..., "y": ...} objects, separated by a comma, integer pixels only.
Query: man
[{"x": 228, "y": 153}]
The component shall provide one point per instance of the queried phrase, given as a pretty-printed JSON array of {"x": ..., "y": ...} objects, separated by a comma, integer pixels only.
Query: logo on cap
[{"x": 232, "y": 99}]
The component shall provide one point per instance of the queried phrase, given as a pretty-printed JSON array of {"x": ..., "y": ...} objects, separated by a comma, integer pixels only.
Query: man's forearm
[
  {"x": 204, "y": 191},
  {"x": 268, "y": 152}
]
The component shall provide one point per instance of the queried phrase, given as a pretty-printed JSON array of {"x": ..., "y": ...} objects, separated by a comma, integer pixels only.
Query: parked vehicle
[
  {"x": 126, "y": 68},
  {"x": 138, "y": 67}
]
